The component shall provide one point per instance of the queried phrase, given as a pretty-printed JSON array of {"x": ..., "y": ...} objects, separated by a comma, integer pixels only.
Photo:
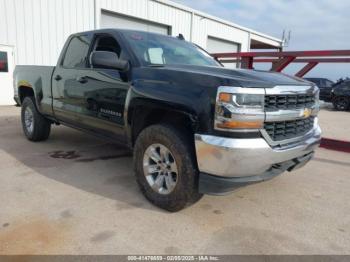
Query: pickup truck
[
  {"x": 325, "y": 85},
  {"x": 340, "y": 95},
  {"x": 194, "y": 126}
]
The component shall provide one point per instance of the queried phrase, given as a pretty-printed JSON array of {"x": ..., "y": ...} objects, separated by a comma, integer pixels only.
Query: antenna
[{"x": 286, "y": 38}]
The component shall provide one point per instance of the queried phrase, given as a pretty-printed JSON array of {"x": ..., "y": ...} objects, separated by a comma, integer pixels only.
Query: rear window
[
  {"x": 77, "y": 52},
  {"x": 3, "y": 62}
]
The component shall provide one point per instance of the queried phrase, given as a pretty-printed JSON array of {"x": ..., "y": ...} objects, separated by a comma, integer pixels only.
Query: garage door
[
  {"x": 216, "y": 45},
  {"x": 109, "y": 20}
]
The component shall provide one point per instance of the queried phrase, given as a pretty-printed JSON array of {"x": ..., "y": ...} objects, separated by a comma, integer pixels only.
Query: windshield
[{"x": 154, "y": 49}]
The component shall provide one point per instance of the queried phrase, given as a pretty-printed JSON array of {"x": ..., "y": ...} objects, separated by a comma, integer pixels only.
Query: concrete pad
[
  {"x": 334, "y": 124},
  {"x": 75, "y": 194}
]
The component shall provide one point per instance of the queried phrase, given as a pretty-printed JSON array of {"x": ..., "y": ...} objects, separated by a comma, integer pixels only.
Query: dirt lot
[{"x": 75, "y": 194}]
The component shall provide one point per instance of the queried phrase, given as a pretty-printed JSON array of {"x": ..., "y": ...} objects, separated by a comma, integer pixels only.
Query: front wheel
[
  {"x": 35, "y": 126},
  {"x": 165, "y": 168},
  {"x": 341, "y": 103}
]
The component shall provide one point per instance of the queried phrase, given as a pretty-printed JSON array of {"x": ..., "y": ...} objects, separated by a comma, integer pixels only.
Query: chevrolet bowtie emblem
[{"x": 307, "y": 112}]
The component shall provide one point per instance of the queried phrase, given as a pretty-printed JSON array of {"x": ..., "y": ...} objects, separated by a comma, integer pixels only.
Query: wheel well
[
  {"x": 24, "y": 91},
  {"x": 143, "y": 118}
]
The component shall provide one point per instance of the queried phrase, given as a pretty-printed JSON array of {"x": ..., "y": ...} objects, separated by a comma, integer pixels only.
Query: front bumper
[{"x": 228, "y": 163}]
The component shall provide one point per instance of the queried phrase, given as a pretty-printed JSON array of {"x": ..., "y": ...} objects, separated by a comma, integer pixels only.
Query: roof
[{"x": 121, "y": 30}]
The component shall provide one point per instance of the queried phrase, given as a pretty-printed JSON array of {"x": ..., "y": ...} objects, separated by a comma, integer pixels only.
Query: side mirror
[{"x": 108, "y": 60}]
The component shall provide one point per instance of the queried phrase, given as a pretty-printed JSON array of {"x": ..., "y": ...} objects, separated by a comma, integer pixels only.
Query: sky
[{"x": 314, "y": 24}]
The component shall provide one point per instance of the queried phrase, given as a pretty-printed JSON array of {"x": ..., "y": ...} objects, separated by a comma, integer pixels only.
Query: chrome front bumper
[{"x": 239, "y": 158}]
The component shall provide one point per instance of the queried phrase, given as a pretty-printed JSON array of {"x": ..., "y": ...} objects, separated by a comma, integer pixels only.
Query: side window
[
  {"x": 3, "y": 62},
  {"x": 77, "y": 51},
  {"x": 107, "y": 43}
]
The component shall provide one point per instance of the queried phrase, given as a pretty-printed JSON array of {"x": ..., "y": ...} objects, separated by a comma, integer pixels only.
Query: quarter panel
[{"x": 39, "y": 79}]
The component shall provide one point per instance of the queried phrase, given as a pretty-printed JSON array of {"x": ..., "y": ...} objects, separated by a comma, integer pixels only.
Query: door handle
[
  {"x": 58, "y": 77},
  {"x": 82, "y": 80}
]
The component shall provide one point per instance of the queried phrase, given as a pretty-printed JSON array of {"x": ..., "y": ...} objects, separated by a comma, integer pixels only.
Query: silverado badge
[{"x": 307, "y": 112}]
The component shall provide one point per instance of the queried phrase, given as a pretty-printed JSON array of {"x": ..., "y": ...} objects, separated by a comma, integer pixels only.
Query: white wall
[
  {"x": 178, "y": 19},
  {"x": 204, "y": 28},
  {"x": 112, "y": 20},
  {"x": 38, "y": 28},
  {"x": 194, "y": 25},
  {"x": 264, "y": 40}
]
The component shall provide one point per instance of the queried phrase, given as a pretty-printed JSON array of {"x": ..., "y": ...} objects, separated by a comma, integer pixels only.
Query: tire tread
[
  {"x": 187, "y": 191},
  {"x": 42, "y": 126}
]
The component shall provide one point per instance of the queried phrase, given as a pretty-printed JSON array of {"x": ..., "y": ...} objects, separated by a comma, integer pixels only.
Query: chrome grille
[
  {"x": 283, "y": 130},
  {"x": 285, "y": 102}
]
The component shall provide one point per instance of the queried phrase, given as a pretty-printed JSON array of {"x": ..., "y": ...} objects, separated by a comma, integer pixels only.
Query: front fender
[{"x": 192, "y": 101}]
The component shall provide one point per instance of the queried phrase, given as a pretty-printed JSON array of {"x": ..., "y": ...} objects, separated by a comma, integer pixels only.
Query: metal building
[{"x": 32, "y": 32}]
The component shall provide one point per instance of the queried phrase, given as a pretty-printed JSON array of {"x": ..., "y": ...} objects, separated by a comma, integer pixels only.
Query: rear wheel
[
  {"x": 165, "y": 168},
  {"x": 35, "y": 126}
]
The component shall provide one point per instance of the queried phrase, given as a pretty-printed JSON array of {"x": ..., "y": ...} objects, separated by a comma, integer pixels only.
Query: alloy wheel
[
  {"x": 29, "y": 120},
  {"x": 160, "y": 169}
]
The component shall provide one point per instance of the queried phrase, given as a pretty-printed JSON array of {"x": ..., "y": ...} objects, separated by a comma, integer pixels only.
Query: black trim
[
  {"x": 255, "y": 134},
  {"x": 216, "y": 185},
  {"x": 93, "y": 133}
]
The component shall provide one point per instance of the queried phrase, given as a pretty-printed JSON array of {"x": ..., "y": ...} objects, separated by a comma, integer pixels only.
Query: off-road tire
[
  {"x": 180, "y": 146},
  {"x": 41, "y": 126}
]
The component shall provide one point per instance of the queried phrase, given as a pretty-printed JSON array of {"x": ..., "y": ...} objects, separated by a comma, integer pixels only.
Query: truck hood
[{"x": 241, "y": 77}]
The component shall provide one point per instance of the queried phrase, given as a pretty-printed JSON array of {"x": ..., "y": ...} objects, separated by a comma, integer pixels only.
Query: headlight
[
  {"x": 248, "y": 100},
  {"x": 239, "y": 109}
]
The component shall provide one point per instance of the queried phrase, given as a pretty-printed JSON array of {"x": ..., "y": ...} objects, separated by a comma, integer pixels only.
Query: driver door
[{"x": 102, "y": 93}]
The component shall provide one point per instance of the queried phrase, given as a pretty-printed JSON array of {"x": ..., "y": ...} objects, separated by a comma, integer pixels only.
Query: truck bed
[{"x": 39, "y": 78}]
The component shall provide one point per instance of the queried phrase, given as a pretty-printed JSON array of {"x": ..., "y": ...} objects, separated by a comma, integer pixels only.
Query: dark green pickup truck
[{"x": 195, "y": 127}]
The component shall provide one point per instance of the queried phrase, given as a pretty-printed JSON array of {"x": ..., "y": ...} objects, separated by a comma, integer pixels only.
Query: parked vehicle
[
  {"x": 340, "y": 95},
  {"x": 325, "y": 85},
  {"x": 195, "y": 127}
]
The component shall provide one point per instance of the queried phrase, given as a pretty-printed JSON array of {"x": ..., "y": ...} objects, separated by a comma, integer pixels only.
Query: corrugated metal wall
[
  {"x": 38, "y": 28},
  {"x": 204, "y": 28},
  {"x": 179, "y": 20}
]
